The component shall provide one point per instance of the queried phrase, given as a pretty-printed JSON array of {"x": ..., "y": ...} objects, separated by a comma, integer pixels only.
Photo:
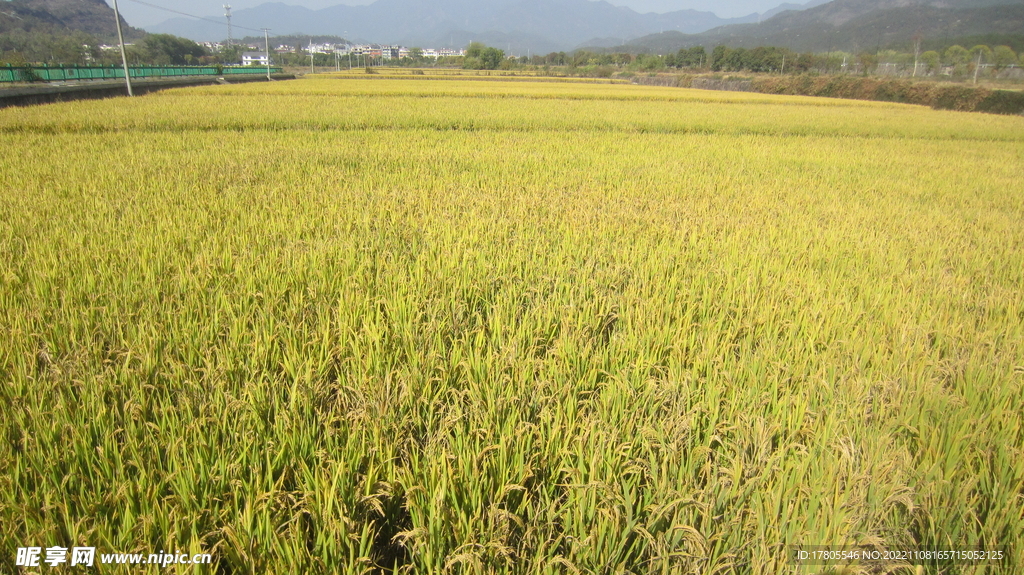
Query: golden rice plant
[{"x": 411, "y": 326}]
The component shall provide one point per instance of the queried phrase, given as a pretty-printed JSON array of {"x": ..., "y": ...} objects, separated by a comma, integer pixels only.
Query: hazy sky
[{"x": 140, "y": 15}]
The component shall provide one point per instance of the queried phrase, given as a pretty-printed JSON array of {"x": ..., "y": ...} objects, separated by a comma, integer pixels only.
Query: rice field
[{"x": 388, "y": 325}]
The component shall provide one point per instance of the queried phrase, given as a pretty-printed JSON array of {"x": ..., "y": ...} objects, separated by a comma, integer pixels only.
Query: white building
[
  {"x": 255, "y": 58},
  {"x": 321, "y": 48},
  {"x": 441, "y": 52}
]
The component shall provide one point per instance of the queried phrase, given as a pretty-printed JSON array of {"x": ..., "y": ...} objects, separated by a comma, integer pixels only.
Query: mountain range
[
  {"x": 542, "y": 26},
  {"x": 858, "y": 25},
  {"x": 62, "y": 16},
  {"x": 515, "y": 25}
]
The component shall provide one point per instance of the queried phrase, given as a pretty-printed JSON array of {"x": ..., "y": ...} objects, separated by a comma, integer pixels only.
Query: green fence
[{"x": 63, "y": 73}]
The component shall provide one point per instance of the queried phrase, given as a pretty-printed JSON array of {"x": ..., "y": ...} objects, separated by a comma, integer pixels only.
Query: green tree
[
  {"x": 168, "y": 49},
  {"x": 931, "y": 60},
  {"x": 698, "y": 56},
  {"x": 233, "y": 55},
  {"x": 805, "y": 62},
  {"x": 985, "y": 51},
  {"x": 764, "y": 59},
  {"x": 492, "y": 58},
  {"x": 1003, "y": 56},
  {"x": 957, "y": 55},
  {"x": 24, "y": 47},
  {"x": 718, "y": 57},
  {"x": 980, "y": 54},
  {"x": 735, "y": 59},
  {"x": 73, "y": 48},
  {"x": 647, "y": 62},
  {"x": 12, "y": 58},
  {"x": 474, "y": 49},
  {"x": 868, "y": 62},
  {"x": 482, "y": 57},
  {"x": 681, "y": 59}
]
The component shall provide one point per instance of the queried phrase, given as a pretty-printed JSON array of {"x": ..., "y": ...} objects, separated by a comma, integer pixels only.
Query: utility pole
[
  {"x": 348, "y": 44},
  {"x": 311, "y": 56},
  {"x": 917, "y": 53},
  {"x": 227, "y": 14},
  {"x": 976, "y": 67},
  {"x": 124, "y": 57},
  {"x": 266, "y": 43}
]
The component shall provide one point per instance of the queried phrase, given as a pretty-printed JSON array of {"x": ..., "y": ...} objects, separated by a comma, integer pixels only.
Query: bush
[
  {"x": 962, "y": 98},
  {"x": 1002, "y": 102},
  {"x": 958, "y": 98}
]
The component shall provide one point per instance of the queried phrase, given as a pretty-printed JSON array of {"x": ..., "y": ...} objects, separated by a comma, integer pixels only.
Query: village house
[{"x": 255, "y": 58}]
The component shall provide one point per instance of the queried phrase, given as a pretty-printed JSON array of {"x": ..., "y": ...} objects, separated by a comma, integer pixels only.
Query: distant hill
[
  {"x": 514, "y": 25},
  {"x": 857, "y": 25},
  {"x": 789, "y": 6},
  {"x": 61, "y": 16}
]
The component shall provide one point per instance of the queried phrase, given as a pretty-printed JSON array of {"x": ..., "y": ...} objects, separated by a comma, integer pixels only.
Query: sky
[{"x": 140, "y": 15}]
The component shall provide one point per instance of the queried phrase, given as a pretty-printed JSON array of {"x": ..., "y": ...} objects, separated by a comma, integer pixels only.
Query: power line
[{"x": 193, "y": 16}]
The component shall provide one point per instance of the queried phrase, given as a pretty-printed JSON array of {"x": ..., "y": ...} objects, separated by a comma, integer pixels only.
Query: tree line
[
  {"x": 80, "y": 48},
  {"x": 17, "y": 47},
  {"x": 954, "y": 60}
]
